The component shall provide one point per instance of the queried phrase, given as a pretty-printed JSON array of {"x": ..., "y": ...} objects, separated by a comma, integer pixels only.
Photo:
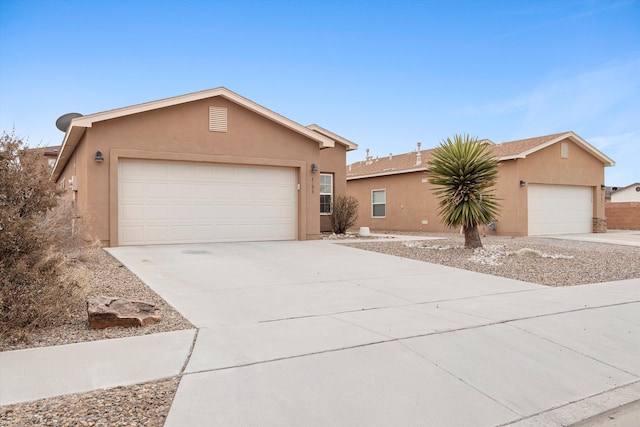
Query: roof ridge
[{"x": 519, "y": 148}]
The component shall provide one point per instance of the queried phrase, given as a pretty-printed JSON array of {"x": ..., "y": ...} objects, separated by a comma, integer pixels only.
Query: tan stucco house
[
  {"x": 547, "y": 185},
  {"x": 210, "y": 166}
]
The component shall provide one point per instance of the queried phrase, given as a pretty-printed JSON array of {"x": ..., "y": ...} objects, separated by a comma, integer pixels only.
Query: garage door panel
[
  {"x": 131, "y": 189},
  {"x": 132, "y": 213},
  {"x": 155, "y": 233},
  {"x": 165, "y": 202},
  {"x": 131, "y": 234},
  {"x": 178, "y": 190},
  {"x": 558, "y": 209}
]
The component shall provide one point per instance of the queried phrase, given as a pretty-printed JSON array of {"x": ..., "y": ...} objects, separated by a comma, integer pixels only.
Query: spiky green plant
[{"x": 464, "y": 172}]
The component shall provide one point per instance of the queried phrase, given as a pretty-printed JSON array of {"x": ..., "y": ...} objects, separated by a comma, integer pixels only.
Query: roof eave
[
  {"x": 387, "y": 173},
  {"x": 576, "y": 139},
  {"x": 337, "y": 138},
  {"x": 511, "y": 157},
  {"x": 71, "y": 139},
  {"x": 78, "y": 125}
]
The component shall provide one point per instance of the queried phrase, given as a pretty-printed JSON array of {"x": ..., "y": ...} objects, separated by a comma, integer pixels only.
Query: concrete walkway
[
  {"x": 312, "y": 333},
  {"x": 614, "y": 237}
]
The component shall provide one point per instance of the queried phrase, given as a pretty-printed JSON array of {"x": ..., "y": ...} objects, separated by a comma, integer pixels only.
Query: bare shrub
[
  {"x": 344, "y": 214},
  {"x": 39, "y": 280}
]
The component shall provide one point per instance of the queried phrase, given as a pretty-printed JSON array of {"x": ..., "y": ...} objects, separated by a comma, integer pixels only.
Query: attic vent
[{"x": 217, "y": 119}]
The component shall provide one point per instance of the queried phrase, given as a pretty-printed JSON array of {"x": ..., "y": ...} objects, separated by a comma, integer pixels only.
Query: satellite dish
[{"x": 64, "y": 121}]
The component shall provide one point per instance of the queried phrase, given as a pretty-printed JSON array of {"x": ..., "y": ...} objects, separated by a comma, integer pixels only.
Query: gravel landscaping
[
  {"x": 139, "y": 405},
  {"x": 106, "y": 277},
  {"x": 545, "y": 261},
  {"x": 539, "y": 260}
]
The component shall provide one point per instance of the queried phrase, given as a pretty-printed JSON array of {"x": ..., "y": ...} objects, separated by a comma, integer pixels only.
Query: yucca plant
[{"x": 464, "y": 172}]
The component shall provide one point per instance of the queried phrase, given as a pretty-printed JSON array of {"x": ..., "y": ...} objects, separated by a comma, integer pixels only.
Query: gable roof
[
  {"x": 519, "y": 149},
  {"x": 616, "y": 189},
  {"x": 79, "y": 125}
]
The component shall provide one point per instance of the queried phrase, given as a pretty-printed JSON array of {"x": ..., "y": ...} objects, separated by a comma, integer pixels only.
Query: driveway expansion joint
[{"x": 188, "y": 358}]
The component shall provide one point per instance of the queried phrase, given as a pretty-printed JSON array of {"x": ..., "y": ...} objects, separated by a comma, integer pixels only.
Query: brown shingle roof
[
  {"x": 406, "y": 162},
  {"x": 389, "y": 164},
  {"x": 513, "y": 148}
]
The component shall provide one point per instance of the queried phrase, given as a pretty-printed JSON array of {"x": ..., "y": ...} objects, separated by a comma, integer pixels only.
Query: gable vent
[{"x": 217, "y": 119}]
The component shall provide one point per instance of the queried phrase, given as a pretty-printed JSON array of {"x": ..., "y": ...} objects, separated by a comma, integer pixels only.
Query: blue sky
[{"x": 384, "y": 74}]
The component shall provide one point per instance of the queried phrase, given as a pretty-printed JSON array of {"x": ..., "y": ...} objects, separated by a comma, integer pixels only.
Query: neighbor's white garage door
[
  {"x": 172, "y": 202},
  {"x": 559, "y": 209}
]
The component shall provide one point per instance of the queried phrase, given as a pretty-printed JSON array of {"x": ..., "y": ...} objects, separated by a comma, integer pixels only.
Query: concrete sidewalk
[{"x": 311, "y": 333}]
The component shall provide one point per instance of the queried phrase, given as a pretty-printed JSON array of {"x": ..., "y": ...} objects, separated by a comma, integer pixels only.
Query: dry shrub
[
  {"x": 344, "y": 213},
  {"x": 41, "y": 280}
]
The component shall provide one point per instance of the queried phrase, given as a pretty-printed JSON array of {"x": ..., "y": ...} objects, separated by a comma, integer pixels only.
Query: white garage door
[
  {"x": 173, "y": 202},
  {"x": 560, "y": 209}
]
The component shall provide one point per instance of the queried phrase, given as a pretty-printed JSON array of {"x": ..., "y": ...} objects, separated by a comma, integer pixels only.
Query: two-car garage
[
  {"x": 559, "y": 209},
  {"x": 162, "y": 202}
]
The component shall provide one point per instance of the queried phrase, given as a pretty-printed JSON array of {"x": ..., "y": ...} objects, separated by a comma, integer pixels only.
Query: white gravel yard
[{"x": 545, "y": 261}]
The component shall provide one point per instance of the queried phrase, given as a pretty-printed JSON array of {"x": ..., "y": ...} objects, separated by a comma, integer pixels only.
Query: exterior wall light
[
  {"x": 314, "y": 168},
  {"x": 522, "y": 183},
  {"x": 99, "y": 157},
  {"x": 603, "y": 187}
]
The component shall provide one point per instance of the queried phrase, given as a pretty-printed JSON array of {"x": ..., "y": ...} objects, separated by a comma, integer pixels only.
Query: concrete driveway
[
  {"x": 312, "y": 333},
  {"x": 613, "y": 237}
]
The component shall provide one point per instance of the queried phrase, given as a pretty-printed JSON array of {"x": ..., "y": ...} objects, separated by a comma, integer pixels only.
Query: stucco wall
[
  {"x": 180, "y": 133},
  {"x": 75, "y": 170},
  {"x": 411, "y": 205},
  {"x": 410, "y": 202},
  {"x": 332, "y": 160}
]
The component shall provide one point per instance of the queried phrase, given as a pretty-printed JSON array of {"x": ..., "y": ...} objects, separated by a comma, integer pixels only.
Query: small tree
[
  {"x": 37, "y": 282},
  {"x": 464, "y": 173},
  {"x": 344, "y": 213}
]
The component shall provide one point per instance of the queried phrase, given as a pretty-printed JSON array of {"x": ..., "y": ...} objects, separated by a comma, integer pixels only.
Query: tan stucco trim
[
  {"x": 117, "y": 154},
  {"x": 574, "y": 138},
  {"x": 79, "y": 124},
  {"x": 337, "y": 138},
  {"x": 386, "y": 173}
]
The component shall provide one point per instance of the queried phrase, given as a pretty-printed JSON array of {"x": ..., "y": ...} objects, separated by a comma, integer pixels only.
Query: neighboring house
[
  {"x": 623, "y": 211},
  {"x": 546, "y": 185},
  {"x": 630, "y": 193},
  {"x": 49, "y": 155},
  {"x": 209, "y": 166}
]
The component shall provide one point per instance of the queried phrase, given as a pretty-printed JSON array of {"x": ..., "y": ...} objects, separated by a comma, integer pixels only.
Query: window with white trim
[
  {"x": 326, "y": 193},
  {"x": 379, "y": 203}
]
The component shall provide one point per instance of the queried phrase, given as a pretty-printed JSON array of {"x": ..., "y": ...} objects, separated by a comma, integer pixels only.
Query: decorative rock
[{"x": 108, "y": 312}]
